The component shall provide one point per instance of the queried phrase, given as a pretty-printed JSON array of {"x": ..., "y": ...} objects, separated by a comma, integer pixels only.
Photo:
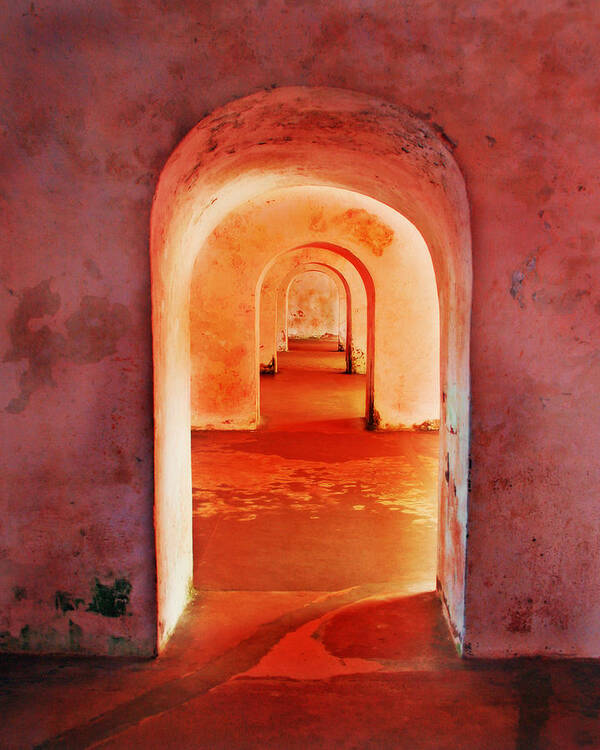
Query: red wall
[{"x": 97, "y": 96}]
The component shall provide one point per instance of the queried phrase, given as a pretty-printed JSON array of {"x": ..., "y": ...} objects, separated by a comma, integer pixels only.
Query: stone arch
[
  {"x": 276, "y": 328},
  {"x": 273, "y": 331},
  {"x": 363, "y": 277},
  {"x": 343, "y": 285},
  {"x": 298, "y": 137},
  {"x": 271, "y": 334}
]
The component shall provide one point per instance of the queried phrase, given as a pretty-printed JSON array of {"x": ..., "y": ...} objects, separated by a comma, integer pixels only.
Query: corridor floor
[{"x": 315, "y": 623}]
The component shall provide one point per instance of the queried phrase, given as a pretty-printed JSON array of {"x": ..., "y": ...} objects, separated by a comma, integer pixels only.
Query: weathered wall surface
[
  {"x": 95, "y": 98},
  {"x": 313, "y": 306},
  {"x": 343, "y": 309}
]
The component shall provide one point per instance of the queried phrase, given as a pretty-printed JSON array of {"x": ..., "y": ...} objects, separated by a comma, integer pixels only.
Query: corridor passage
[
  {"x": 312, "y": 501},
  {"x": 314, "y": 623}
]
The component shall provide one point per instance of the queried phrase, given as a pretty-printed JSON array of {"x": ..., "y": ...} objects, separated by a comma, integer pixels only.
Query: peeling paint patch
[
  {"x": 367, "y": 229},
  {"x": 519, "y": 276}
]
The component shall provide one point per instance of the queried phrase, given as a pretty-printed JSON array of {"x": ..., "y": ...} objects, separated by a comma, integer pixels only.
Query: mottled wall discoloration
[
  {"x": 367, "y": 229},
  {"x": 92, "y": 334},
  {"x": 363, "y": 226},
  {"x": 313, "y": 306},
  {"x": 40, "y": 347},
  {"x": 86, "y": 129}
]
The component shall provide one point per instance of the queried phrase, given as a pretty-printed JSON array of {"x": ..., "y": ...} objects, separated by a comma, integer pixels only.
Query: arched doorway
[
  {"x": 360, "y": 298},
  {"x": 289, "y": 138},
  {"x": 273, "y": 303}
]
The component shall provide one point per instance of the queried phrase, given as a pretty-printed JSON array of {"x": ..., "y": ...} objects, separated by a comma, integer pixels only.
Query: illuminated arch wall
[{"x": 285, "y": 139}]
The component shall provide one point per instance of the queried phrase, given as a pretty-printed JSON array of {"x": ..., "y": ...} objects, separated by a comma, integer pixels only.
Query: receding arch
[
  {"x": 298, "y": 137},
  {"x": 369, "y": 290},
  {"x": 275, "y": 328},
  {"x": 272, "y": 336},
  {"x": 343, "y": 284}
]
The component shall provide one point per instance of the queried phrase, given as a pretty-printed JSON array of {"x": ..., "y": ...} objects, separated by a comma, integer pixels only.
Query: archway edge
[
  {"x": 317, "y": 267},
  {"x": 299, "y": 137}
]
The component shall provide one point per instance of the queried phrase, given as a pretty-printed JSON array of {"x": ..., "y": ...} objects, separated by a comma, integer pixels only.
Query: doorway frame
[{"x": 292, "y": 137}]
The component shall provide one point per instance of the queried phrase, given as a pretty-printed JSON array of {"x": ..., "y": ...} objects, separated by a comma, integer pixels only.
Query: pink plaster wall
[
  {"x": 313, "y": 306},
  {"x": 95, "y": 99}
]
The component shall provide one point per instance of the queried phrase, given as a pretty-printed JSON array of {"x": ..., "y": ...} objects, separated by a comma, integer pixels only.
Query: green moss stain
[
  {"x": 65, "y": 601},
  {"x": 110, "y": 601}
]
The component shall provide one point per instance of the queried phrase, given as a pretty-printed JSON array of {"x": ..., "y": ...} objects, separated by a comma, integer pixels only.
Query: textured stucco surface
[
  {"x": 313, "y": 306},
  {"x": 96, "y": 98}
]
